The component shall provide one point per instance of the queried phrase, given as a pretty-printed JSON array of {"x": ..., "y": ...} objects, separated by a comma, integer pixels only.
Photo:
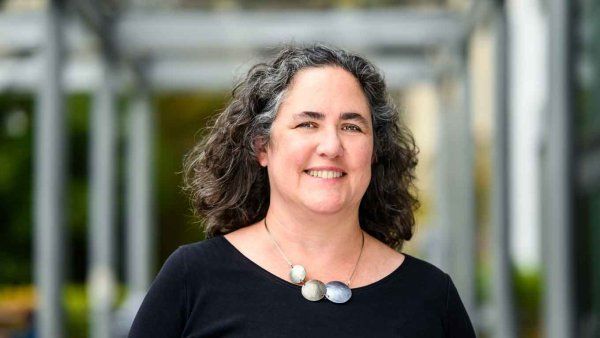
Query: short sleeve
[
  {"x": 458, "y": 324},
  {"x": 164, "y": 309}
]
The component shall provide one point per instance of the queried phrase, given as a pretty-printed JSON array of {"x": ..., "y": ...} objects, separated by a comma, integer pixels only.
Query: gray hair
[
  {"x": 290, "y": 60},
  {"x": 229, "y": 188}
]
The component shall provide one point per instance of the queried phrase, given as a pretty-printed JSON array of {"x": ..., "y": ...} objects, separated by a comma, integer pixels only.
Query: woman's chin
[{"x": 325, "y": 207}]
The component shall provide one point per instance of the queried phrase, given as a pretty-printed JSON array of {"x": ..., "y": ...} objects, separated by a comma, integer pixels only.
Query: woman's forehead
[{"x": 325, "y": 90}]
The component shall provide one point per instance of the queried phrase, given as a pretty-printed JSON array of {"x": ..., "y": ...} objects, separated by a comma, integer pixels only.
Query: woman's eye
[
  {"x": 308, "y": 125},
  {"x": 352, "y": 127}
]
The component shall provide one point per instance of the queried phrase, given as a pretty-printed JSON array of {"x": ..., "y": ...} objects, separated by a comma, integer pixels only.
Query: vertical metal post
[
  {"x": 443, "y": 207},
  {"x": 557, "y": 186},
  {"x": 49, "y": 184},
  {"x": 139, "y": 262},
  {"x": 456, "y": 155},
  {"x": 463, "y": 187},
  {"x": 139, "y": 191},
  {"x": 102, "y": 204},
  {"x": 502, "y": 286},
  {"x": 139, "y": 225}
]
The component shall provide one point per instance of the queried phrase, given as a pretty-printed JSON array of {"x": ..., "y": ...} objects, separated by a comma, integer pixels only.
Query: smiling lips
[{"x": 327, "y": 174}]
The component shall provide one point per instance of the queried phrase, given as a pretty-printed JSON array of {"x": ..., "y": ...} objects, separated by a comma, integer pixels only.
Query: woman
[{"x": 305, "y": 185}]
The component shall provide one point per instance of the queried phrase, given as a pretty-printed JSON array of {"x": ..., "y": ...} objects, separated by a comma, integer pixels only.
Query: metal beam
[
  {"x": 559, "y": 298},
  {"x": 503, "y": 323},
  {"x": 201, "y": 32},
  {"x": 103, "y": 197},
  {"x": 354, "y": 29},
  {"x": 139, "y": 233},
  {"x": 201, "y": 50},
  {"x": 49, "y": 180},
  {"x": 85, "y": 73},
  {"x": 25, "y": 33},
  {"x": 139, "y": 191},
  {"x": 456, "y": 181}
]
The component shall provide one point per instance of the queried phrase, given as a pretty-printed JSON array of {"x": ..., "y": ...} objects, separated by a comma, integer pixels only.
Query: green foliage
[
  {"x": 15, "y": 188},
  {"x": 180, "y": 120},
  {"x": 77, "y": 311},
  {"x": 77, "y": 307},
  {"x": 528, "y": 298}
]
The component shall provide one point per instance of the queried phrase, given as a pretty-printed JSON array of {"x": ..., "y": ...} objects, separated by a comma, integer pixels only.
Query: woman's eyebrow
[
  {"x": 309, "y": 114},
  {"x": 320, "y": 116},
  {"x": 354, "y": 116}
]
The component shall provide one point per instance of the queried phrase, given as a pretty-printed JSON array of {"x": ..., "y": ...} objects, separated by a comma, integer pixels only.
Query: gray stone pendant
[
  {"x": 338, "y": 292},
  {"x": 313, "y": 290},
  {"x": 297, "y": 274}
]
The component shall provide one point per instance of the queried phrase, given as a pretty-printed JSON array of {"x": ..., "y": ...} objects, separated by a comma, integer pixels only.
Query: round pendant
[
  {"x": 338, "y": 292},
  {"x": 297, "y": 274},
  {"x": 313, "y": 290}
]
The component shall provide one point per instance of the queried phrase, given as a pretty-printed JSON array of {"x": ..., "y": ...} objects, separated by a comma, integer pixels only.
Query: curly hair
[{"x": 230, "y": 190}]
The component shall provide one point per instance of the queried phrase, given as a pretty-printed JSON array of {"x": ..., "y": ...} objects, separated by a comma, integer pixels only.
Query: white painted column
[
  {"x": 559, "y": 293},
  {"x": 503, "y": 308},
  {"x": 50, "y": 179},
  {"x": 456, "y": 201},
  {"x": 103, "y": 198}
]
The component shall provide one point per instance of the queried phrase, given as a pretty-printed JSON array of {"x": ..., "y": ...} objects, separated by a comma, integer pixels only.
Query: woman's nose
[{"x": 330, "y": 144}]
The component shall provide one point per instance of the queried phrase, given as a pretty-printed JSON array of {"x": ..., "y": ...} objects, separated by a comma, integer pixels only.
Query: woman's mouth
[{"x": 327, "y": 174}]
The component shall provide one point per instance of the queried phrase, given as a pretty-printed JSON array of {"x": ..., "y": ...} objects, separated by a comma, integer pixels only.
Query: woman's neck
[{"x": 327, "y": 238}]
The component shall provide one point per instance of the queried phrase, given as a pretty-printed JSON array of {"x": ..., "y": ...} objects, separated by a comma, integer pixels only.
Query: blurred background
[{"x": 100, "y": 100}]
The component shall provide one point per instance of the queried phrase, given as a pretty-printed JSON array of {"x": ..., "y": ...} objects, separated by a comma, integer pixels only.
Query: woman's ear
[
  {"x": 261, "y": 151},
  {"x": 262, "y": 158}
]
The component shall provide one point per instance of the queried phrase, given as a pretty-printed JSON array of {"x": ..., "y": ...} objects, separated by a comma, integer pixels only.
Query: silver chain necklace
[{"x": 314, "y": 290}]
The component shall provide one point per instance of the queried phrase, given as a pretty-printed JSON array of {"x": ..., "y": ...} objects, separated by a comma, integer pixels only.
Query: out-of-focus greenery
[
  {"x": 178, "y": 118},
  {"x": 15, "y": 188},
  {"x": 526, "y": 283},
  {"x": 528, "y": 297},
  {"x": 77, "y": 310},
  {"x": 16, "y": 185},
  {"x": 586, "y": 138},
  {"x": 179, "y": 122},
  {"x": 18, "y": 302}
]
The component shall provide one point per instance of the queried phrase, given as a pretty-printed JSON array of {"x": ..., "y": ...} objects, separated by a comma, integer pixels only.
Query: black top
[{"x": 210, "y": 289}]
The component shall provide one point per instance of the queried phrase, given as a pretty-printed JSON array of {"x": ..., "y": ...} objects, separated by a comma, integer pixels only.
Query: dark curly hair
[{"x": 229, "y": 188}]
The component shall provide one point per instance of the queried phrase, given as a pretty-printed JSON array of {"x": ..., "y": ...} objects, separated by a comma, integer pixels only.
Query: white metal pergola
[{"x": 91, "y": 49}]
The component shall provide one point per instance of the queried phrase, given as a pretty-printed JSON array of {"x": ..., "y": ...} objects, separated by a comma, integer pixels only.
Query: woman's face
[{"x": 320, "y": 152}]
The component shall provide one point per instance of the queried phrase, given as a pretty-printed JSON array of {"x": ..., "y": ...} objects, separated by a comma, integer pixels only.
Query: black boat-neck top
[{"x": 210, "y": 289}]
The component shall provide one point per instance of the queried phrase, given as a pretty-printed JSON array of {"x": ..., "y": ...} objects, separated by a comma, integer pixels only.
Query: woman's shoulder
[
  {"x": 197, "y": 260},
  {"x": 204, "y": 244},
  {"x": 425, "y": 273},
  {"x": 423, "y": 265},
  {"x": 204, "y": 250}
]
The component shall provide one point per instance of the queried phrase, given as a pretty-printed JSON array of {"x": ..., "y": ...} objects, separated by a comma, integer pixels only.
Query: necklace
[{"x": 314, "y": 290}]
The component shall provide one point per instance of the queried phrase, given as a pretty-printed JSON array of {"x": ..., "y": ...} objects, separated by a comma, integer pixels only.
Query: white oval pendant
[
  {"x": 297, "y": 274},
  {"x": 313, "y": 290}
]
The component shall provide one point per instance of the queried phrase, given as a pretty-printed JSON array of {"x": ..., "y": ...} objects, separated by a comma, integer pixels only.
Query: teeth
[{"x": 324, "y": 173}]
